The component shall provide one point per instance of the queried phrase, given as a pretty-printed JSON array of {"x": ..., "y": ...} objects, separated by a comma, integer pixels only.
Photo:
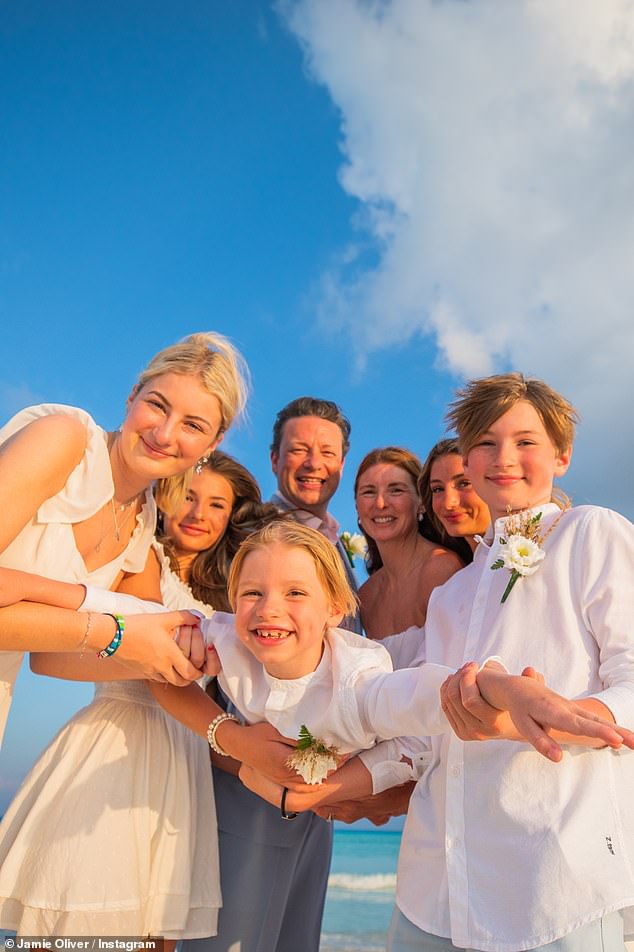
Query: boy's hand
[
  {"x": 470, "y": 716},
  {"x": 536, "y": 710}
]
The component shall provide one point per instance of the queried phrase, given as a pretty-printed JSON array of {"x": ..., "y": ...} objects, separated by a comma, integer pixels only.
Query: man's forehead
[{"x": 309, "y": 428}]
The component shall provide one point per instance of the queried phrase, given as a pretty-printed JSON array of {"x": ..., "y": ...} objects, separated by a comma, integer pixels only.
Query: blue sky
[{"x": 373, "y": 201}]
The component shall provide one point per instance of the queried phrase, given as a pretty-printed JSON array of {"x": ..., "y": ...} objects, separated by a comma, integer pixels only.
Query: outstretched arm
[
  {"x": 148, "y": 648},
  {"x": 493, "y": 704}
]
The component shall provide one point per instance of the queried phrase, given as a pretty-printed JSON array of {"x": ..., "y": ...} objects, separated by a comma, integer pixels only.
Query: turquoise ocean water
[{"x": 360, "y": 890}]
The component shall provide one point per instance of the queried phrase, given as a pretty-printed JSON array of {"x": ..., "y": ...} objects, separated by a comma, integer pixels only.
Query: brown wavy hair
[
  {"x": 461, "y": 547},
  {"x": 209, "y": 571}
]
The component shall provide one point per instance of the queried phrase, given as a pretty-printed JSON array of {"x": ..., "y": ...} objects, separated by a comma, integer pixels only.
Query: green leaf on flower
[
  {"x": 306, "y": 741},
  {"x": 498, "y": 564},
  {"x": 507, "y": 591}
]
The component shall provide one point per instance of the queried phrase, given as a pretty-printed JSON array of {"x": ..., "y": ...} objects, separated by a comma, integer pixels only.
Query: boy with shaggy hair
[{"x": 504, "y": 850}]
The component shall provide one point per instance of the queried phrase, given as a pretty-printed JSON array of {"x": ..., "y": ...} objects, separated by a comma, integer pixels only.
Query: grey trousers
[{"x": 273, "y": 875}]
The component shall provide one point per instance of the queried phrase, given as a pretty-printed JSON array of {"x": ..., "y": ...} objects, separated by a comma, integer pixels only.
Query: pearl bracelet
[{"x": 213, "y": 727}]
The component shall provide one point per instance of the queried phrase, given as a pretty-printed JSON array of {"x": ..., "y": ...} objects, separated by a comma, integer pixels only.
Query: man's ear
[{"x": 274, "y": 460}]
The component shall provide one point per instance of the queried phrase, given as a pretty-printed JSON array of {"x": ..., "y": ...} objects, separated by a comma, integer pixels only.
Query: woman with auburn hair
[
  {"x": 404, "y": 566},
  {"x": 456, "y": 512}
]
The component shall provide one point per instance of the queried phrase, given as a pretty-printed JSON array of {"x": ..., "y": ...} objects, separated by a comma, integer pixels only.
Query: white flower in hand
[{"x": 312, "y": 759}]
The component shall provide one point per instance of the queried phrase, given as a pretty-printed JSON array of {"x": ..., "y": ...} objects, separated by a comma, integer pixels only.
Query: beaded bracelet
[
  {"x": 110, "y": 649},
  {"x": 213, "y": 727}
]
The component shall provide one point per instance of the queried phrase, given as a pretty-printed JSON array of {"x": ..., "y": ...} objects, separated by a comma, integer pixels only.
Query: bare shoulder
[
  {"x": 442, "y": 564},
  {"x": 56, "y": 445},
  {"x": 371, "y": 589},
  {"x": 56, "y": 437}
]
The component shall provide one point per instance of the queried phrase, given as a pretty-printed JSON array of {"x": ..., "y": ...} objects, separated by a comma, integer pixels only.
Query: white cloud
[{"x": 490, "y": 147}]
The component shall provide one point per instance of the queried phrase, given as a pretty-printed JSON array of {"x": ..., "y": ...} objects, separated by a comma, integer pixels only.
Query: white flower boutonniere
[
  {"x": 523, "y": 550},
  {"x": 312, "y": 759},
  {"x": 354, "y": 544}
]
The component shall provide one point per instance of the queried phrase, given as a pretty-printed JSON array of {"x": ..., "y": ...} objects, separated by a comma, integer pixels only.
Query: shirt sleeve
[
  {"x": 403, "y": 703},
  {"x": 103, "y": 600},
  {"x": 388, "y": 768},
  {"x": 604, "y": 569}
]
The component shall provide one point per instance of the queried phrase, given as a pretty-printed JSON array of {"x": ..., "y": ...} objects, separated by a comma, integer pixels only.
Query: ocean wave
[
  {"x": 374, "y": 882},
  {"x": 342, "y": 942}
]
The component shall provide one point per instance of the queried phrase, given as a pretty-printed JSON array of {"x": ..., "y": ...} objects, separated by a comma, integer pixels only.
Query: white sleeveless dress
[
  {"x": 113, "y": 832},
  {"x": 46, "y": 546}
]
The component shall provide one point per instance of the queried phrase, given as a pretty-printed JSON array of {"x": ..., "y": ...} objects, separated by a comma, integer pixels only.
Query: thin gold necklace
[
  {"x": 117, "y": 526},
  {"x": 122, "y": 507}
]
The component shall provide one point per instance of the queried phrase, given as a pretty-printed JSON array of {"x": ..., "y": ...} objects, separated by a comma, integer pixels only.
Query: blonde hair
[
  {"x": 481, "y": 402},
  {"x": 223, "y": 373},
  {"x": 328, "y": 566}
]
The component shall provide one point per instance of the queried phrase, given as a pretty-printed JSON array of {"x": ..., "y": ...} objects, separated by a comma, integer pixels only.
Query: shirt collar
[
  {"x": 328, "y": 526},
  {"x": 497, "y": 528}
]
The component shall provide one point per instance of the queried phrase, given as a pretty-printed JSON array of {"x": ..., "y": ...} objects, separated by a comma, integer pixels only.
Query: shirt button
[{"x": 455, "y": 771}]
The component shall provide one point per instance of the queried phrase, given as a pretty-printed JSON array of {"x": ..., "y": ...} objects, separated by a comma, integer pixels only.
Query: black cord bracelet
[{"x": 284, "y": 814}]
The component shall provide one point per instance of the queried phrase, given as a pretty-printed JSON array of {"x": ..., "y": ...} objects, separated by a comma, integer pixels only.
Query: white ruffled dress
[{"x": 113, "y": 832}]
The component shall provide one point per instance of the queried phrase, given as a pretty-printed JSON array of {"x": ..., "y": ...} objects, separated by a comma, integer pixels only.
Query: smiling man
[{"x": 310, "y": 440}]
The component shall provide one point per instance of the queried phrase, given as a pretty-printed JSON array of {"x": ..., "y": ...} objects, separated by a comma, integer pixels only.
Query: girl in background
[{"x": 456, "y": 512}]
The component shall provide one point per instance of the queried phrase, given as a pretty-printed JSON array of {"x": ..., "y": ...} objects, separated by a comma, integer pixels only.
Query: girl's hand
[
  {"x": 149, "y": 648},
  {"x": 262, "y": 747},
  {"x": 256, "y": 782},
  {"x": 297, "y": 800}
]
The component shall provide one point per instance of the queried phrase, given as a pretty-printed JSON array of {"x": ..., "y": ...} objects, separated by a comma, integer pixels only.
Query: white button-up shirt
[
  {"x": 502, "y": 849},
  {"x": 344, "y": 701}
]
